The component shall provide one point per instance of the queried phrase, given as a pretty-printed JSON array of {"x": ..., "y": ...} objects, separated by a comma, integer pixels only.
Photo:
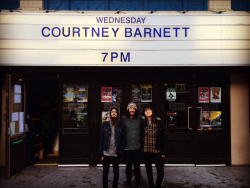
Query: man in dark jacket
[{"x": 111, "y": 145}]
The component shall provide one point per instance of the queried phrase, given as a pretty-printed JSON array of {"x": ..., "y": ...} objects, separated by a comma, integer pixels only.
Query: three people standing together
[{"x": 137, "y": 137}]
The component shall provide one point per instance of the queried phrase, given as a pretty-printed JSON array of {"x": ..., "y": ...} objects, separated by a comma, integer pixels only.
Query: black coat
[
  {"x": 105, "y": 134},
  {"x": 160, "y": 137}
]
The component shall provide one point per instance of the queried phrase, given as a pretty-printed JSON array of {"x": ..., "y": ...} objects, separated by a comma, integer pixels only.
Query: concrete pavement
[{"x": 91, "y": 177}]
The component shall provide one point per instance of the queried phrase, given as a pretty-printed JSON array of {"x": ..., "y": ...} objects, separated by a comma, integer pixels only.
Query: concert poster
[
  {"x": 171, "y": 119},
  {"x": 146, "y": 93},
  {"x": 81, "y": 93},
  {"x": 106, "y": 94},
  {"x": 135, "y": 93},
  {"x": 171, "y": 94},
  {"x": 206, "y": 118},
  {"x": 216, "y": 118},
  {"x": 203, "y": 94},
  {"x": 215, "y": 94},
  {"x": 105, "y": 115},
  {"x": 69, "y": 93},
  {"x": 82, "y": 120},
  {"x": 117, "y": 94}
]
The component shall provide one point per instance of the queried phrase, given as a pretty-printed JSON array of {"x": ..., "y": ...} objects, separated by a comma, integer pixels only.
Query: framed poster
[
  {"x": 106, "y": 94},
  {"x": 81, "y": 93},
  {"x": 171, "y": 94},
  {"x": 171, "y": 119},
  {"x": 117, "y": 95},
  {"x": 146, "y": 93},
  {"x": 216, "y": 118},
  {"x": 69, "y": 93},
  {"x": 203, "y": 94},
  {"x": 206, "y": 118},
  {"x": 215, "y": 94},
  {"x": 135, "y": 93},
  {"x": 82, "y": 120},
  {"x": 105, "y": 115}
]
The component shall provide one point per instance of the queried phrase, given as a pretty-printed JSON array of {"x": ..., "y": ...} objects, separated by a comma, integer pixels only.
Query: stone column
[
  {"x": 32, "y": 5},
  {"x": 215, "y": 5}
]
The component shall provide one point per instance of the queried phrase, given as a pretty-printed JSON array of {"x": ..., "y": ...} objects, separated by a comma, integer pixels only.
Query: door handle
[
  {"x": 188, "y": 119},
  {"x": 201, "y": 122}
]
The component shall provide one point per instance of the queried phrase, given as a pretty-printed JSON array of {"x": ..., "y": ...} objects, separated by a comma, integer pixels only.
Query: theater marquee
[{"x": 124, "y": 40}]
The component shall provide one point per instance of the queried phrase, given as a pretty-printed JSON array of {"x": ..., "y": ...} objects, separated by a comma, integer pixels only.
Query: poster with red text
[
  {"x": 106, "y": 94},
  {"x": 203, "y": 94}
]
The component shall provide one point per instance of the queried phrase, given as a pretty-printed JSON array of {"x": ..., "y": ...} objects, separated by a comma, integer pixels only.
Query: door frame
[
  {"x": 15, "y": 152},
  {"x": 7, "y": 129},
  {"x": 225, "y": 108},
  {"x": 77, "y": 78}
]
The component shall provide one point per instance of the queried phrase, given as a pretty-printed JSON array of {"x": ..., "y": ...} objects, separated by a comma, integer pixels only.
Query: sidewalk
[{"x": 197, "y": 177}]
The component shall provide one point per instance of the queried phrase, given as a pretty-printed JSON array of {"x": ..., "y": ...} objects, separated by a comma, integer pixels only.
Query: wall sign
[{"x": 17, "y": 142}]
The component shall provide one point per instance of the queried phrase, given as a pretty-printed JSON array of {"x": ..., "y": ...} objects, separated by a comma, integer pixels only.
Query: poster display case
[
  {"x": 141, "y": 93},
  {"x": 210, "y": 102},
  {"x": 111, "y": 95},
  {"x": 177, "y": 100},
  {"x": 75, "y": 107}
]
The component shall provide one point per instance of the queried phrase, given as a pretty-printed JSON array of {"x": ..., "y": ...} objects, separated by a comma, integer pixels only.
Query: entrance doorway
[
  {"x": 197, "y": 130},
  {"x": 42, "y": 108},
  {"x": 196, "y": 118}
]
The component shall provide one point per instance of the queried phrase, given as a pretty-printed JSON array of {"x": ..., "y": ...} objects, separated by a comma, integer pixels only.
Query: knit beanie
[{"x": 131, "y": 105}]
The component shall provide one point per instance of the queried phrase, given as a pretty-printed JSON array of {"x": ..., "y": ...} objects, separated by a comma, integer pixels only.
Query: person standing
[
  {"x": 50, "y": 123},
  {"x": 111, "y": 145},
  {"x": 132, "y": 150},
  {"x": 153, "y": 145}
]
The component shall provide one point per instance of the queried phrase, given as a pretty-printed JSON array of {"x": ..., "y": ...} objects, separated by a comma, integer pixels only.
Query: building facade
[{"x": 188, "y": 59}]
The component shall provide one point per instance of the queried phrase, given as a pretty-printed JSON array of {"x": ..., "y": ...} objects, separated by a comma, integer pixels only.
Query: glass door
[
  {"x": 211, "y": 120},
  {"x": 178, "y": 113},
  {"x": 75, "y": 142},
  {"x": 197, "y": 120}
]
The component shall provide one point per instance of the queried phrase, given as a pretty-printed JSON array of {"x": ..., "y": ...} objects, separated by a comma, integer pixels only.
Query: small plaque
[
  {"x": 17, "y": 107},
  {"x": 107, "y": 106},
  {"x": 176, "y": 106},
  {"x": 210, "y": 107},
  {"x": 140, "y": 106}
]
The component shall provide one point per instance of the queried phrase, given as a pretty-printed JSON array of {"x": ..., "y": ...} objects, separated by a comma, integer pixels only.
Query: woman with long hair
[{"x": 153, "y": 145}]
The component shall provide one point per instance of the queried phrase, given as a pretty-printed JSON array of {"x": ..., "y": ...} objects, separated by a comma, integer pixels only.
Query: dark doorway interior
[{"x": 42, "y": 109}]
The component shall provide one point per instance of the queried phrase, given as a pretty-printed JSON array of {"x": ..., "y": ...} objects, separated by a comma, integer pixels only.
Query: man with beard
[
  {"x": 133, "y": 147},
  {"x": 111, "y": 145}
]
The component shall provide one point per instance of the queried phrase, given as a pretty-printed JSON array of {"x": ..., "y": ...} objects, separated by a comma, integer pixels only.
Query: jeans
[
  {"x": 106, "y": 163},
  {"x": 147, "y": 157},
  {"x": 133, "y": 157}
]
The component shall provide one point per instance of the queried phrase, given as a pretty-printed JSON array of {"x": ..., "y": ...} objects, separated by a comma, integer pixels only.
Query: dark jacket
[
  {"x": 105, "y": 134},
  {"x": 160, "y": 137}
]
